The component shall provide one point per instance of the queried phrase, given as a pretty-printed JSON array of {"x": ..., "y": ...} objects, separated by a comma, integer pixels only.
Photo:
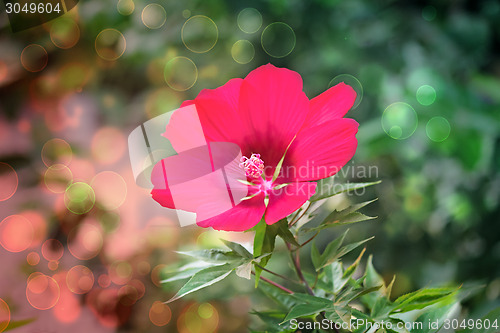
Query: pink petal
[
  {"x": 321, "y": 151},
  {"x": 184, "y": 130},
  {"x": 201, "y": 180},
  {"x": 273, "y": 108},
  {"x": 286, "y": 200},
  {"x": 242, "y": 217},
  {"x": 331, "y": 104}
]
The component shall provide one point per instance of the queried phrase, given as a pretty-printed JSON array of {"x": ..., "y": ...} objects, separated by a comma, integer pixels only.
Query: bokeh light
[
  {"x": 34, "y": 58},
  {"x": 110, "y": 189},
  {"x": 4, "y": 315},
  {"x": 79, "y": 198},
  {"x": 180, "y": 73},
  {"x": 249, "y": 20},
  {"x": 243, "y": 51},
  {"x": 85, "y": 241},
  {"x": 125, "y": 7},
  {"x": 53, "y": 265},
  {"x": 110, "y": 44},
  {"x": 16, "y": 233},
  {"x": 399, "y": 120},
  {"x": 426, "y": 95},
  {"x": 438, "y": 129},
  {"x": 56, "y": 151},
  {"x": 42, "y": 292},
  {"x": 199, "y": 34},
  {"x": 160, "y": 101},
  {"x": 57, "y": 178},
  {"x": 120, "y": 272},
  {"x": 351, "y": 81},
  {"x": 52, "y": 250},
  {"x": 153, "y": 16},
  {"x": 198, "y": 318},
  {"x": 33, "y": 258},
  {"x": 104, "y": 280},
  {"x": 278, "y": 39},
  {"x": 156, "y": 274},
  {"x": 80, "y": 279},
  {"x": 8, "y": 181},
  {"x": 108, "y": 145},
  {"x": 160, "y": 314},
  {"x": 64, "y": 33}
]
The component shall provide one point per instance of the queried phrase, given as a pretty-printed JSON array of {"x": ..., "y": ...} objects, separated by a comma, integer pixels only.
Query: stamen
[{"x": 254, "y": 166}]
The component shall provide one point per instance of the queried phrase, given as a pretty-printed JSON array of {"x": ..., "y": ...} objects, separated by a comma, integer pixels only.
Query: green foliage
[{"x": 330, "y": 291}]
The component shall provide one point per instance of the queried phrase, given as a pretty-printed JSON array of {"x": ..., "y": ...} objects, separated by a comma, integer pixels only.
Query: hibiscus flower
[{"x": 286, "y": 143}]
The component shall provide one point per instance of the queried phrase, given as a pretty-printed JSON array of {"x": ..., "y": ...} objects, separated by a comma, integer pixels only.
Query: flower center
[{"x": 254, "y": 166}]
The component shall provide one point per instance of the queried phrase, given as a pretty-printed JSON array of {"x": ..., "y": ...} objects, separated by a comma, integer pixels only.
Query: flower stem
[{"x": 277, "y": 285}]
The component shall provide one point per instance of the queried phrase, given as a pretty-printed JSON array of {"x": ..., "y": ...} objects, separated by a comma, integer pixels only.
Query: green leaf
[
  {"x": 285, "y": 233},
  {"x": 265, "y": 239},
  {"x": 372, "y": 279},
  {"x": 185, "y": 271},
  {"x": 437, "y": 314},
  {"x": 204, "y": 278},
  {"x": 349, "y": 215},
  {"x": 238, "y": 249},
  {"x": 330, "y": 251},
  {"x": 213, "y": 255},
  {"x": 334, "y": 274},
  {"x": 16, "y": 324},
  {"x": 421, "y": 298},
  {"x": 302, "y": 310},
  {"x": 328, "y": 258},
  {"x": 327, "y": 188}
]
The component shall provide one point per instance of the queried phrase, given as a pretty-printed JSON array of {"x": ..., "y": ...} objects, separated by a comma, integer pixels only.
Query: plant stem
[
  {"x": 276, "y": 274},
  {"x": 295, "y": 220},
  {"x": 277, "y": 285}
]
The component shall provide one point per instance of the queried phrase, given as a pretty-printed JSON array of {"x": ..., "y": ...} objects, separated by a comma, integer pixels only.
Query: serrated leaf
[
  {"x": 330, "y": 251},
  {"x": 213, "y": 255},
  {"x": 438, "y": 313},
  {"x": 204, "y": 278},
  {"x": 343, "y": 251},
  {"x": 186, "y": 271},
  {"x": 335, "y": 273},
  {"x": 351, "y": 269},
  {"x": 238, "y": 249},
  {"x": 285, "y": 233},
  {"x": 372, "y": 279},
  {"x": 272, "y": 319},
  {"x": 284, "y": 300},
  {"x": 327, "y": 188},
  {"x": 303, "y": 310},
  {"x": 346, "y": 216},
  {"x": 421, "y": 298}
]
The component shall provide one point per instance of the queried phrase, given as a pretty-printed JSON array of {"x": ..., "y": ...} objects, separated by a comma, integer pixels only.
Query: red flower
[{"x": 268, "y": 116}]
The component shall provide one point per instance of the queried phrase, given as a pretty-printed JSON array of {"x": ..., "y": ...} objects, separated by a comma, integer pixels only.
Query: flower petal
[
  {"x": 320, "y": 151},
  {"x": 286, "y": 200},
  {"x": 273, "y": 108},
  {"x": 242, "y": 217},
  {"x": 331, "y": 104},
  {"x": 216, "y": 117}
]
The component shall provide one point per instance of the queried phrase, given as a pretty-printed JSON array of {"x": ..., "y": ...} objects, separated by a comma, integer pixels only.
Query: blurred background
[{"x": 84, "y": 248}]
